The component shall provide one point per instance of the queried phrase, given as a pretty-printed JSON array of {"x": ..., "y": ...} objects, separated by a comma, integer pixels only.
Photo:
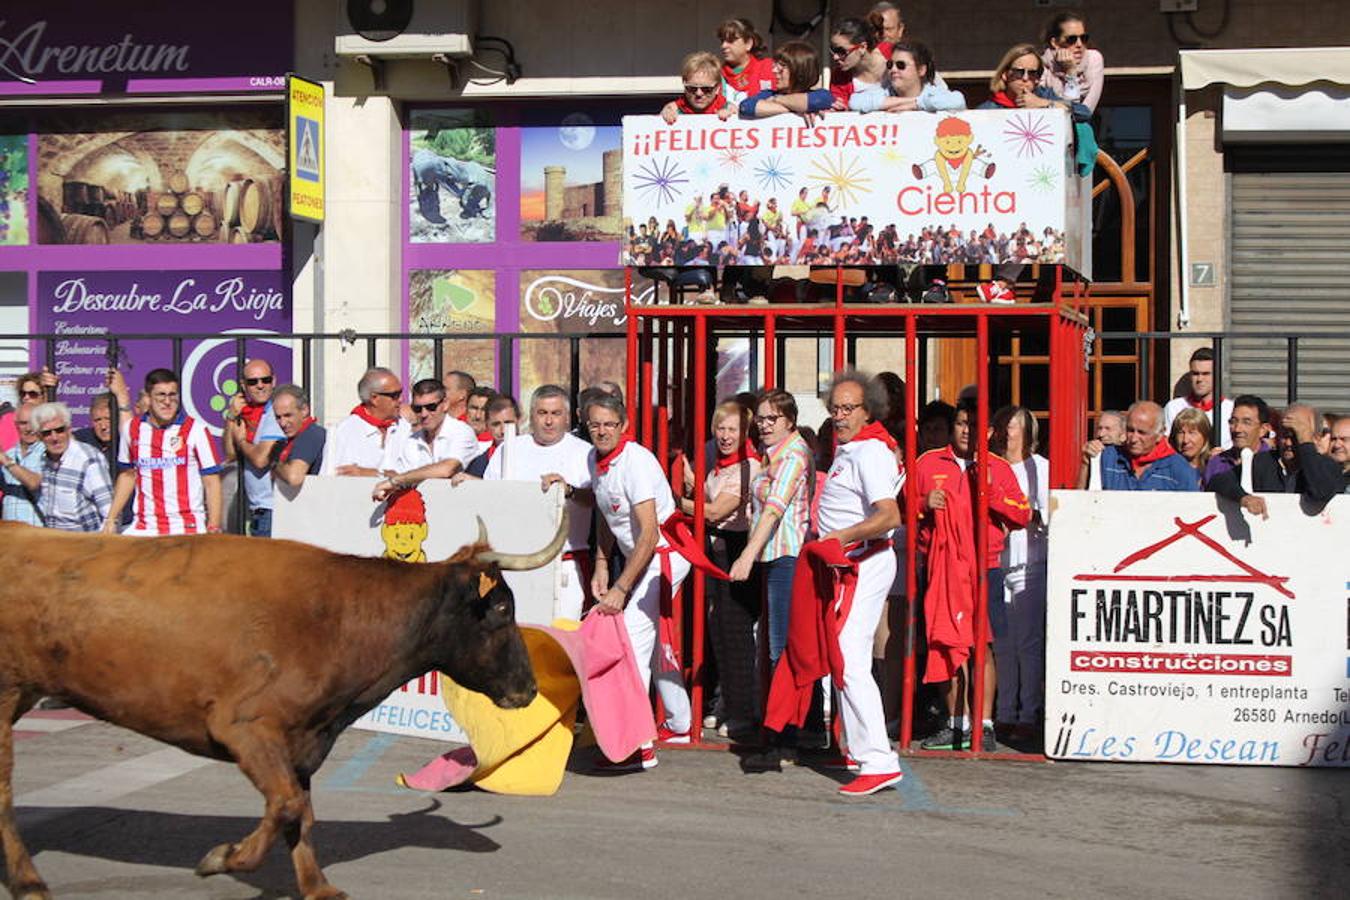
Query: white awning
[
  {"x": 1278, "y": 114},
  {"x": 1293, "y": 67}
]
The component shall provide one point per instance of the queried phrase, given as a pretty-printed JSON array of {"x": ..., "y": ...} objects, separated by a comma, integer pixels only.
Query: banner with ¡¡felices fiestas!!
[
  {"x": 83, "y": 309},
  {"x": 1182, "y": 630},
  {"x": 984, "y": 186}
]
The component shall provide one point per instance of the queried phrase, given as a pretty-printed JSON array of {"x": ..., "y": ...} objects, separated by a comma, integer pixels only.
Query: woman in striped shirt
[{"x": 782, "y": 503}]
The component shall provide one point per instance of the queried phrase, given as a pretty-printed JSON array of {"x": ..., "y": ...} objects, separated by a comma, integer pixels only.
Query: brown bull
[{"x": 259, "y": 652}]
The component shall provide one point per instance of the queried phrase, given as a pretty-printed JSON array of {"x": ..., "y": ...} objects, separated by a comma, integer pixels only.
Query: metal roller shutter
[{"x": 1290, "y": 271}]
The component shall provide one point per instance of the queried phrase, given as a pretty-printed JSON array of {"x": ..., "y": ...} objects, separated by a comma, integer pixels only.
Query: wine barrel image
[
  {"x": 81, "y": 229},
  {"x": 179, "y": 224},
  {"x": 152, "y": 225},
  {"x": 193, "y": 203},
  {"x": 178, "y": 183},
  {"x": 50, "y": 228},
  {"x": 255, "y": 206},
  {"x": 94, "y": 200},
  {"x": 204, "y": 224},
  {"x": 229, "y": 206},
  {"x": 166, "y": 204},
  {"x": 74, "y": 196}
]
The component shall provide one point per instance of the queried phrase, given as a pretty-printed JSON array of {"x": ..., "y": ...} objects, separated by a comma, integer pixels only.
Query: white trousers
[
  {"x": 640, "y": 617},
  {"x": 864, "y": 718},
  {"x": 571, "y": 592}
]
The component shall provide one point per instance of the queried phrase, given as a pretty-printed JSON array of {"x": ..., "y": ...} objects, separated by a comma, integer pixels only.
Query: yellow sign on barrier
[{"x": 304, "y": 128}]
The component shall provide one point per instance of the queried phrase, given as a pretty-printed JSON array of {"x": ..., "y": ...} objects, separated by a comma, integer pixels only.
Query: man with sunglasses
[
  {"x": 361, "y": 442},
  {"x": 26, "y": 454},
  {"x": 440, "y": 447},
  {"x": 70, "y": 483},
  {"x": 252, "y": 431}
]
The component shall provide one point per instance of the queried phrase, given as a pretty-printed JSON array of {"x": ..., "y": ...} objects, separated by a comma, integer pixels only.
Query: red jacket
[{"x": 1008, "y": 506}]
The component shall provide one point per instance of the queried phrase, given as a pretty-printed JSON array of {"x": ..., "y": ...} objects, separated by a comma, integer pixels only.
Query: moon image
[{"x": 577, "y": 131}]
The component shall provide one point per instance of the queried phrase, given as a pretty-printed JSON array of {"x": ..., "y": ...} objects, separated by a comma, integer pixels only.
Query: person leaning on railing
[
  {"x": 796, "y": 70},
  {"x": 703, "y": 96},
  {"x": 1293, "y": 467},
  {"x": 912, "y": 84},
  {"x": 1018, "y": 83},
  {"x": 1073, "y": 70}
]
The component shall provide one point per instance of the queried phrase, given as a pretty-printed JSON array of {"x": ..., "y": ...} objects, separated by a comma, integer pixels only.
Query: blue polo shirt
[{"x": 1171, "y": 473}]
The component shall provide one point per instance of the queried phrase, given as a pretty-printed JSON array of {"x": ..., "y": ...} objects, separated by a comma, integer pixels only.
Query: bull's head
[{"x": 487, "y": 652}]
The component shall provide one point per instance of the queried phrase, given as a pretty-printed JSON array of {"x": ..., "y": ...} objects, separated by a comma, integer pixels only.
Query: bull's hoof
[
  {"x": 33, "y": 893},
  {"x": 215, "y": 862},
  {"x": 327, "y": 892}
]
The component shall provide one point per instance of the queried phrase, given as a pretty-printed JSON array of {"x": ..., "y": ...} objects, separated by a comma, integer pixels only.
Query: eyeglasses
[
  {"x": 254, "y": 382},
  {"x": 843, "y": 409},
  {"x": 1069, "y": 40},
  {"x": 392, "y": 395},
  {"x": 768, "y": 420},
  {"x": 898, "y": 64},
  {"x": 1015, "y": 74},
  {"x": 425, "y": 407},
  {"x": 48, "y": 432},
  {"x": 604, "y": 426},
  {"x": 700, "y": 88},
  {"x": 30, "y": 393},
  {"x": 840, "y": 52},
  {"x": 164, "y": 398}
]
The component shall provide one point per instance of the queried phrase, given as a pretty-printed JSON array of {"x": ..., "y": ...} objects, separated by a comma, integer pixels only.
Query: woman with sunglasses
[
  {"x": 1016, "y": 84},
  {"x": 914, "y": 83},
  {"x": 703, "y": 95},
  {"x": 1072, "y": 69},
  {"x": 858, "y": 70},
  {"x": 796, "y": 69}
]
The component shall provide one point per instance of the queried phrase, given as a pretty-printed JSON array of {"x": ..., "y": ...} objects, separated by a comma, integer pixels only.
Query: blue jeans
[
  {"x": 778, "y": 583},
  {"x": 260, "y": 522}
]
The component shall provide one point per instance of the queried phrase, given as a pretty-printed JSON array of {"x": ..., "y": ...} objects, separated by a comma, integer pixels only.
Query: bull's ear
[{"x": 486, "y": 583}]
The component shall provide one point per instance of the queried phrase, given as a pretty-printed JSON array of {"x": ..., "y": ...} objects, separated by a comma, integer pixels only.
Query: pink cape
[{"x": 525, "y": 751}]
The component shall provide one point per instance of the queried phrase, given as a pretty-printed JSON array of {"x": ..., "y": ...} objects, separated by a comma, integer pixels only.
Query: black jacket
[{"x": 1317, "y": 478}]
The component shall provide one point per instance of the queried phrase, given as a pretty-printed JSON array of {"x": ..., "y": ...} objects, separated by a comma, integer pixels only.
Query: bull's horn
[{"x": 519, "y": 562}]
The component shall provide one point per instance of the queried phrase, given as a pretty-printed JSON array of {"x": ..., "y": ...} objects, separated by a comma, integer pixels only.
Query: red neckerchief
[
  {"x": 491, "y": 450},
  {"x": 1160, "y": 450},
  {"x": 739, "y": 79},
  {"x": 744, "y": 452},
  {"x": 290, "y": 444},
  {"x": 602, "y": 463},
  {"x": 1002, "y": 99},
  {"x": 685, "y": 109},
  {"x": 875, "y": 431},
  {"x": 365, "y": 415},
  {"x": 252, "y": 414},
  {"x": 463, "y": 417},
  {"x": 1206, "y": 405},
  {"x": 483, "y": 436}
]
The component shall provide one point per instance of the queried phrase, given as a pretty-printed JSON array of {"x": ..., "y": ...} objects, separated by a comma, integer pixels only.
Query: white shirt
[
  {"x": 1177, "y": 404},
  {"x": 530, "y": 461},
  {"x": 863, "y": 473},
  {"x": 454, "y": 440},
  {"x": 633, "y": 477},
  {"x": 1024, "y": 546},
  {"x": 355, "y": 442}
]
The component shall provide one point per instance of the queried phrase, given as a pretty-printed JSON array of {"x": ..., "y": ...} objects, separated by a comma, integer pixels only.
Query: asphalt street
[{"x": 108, "y": 813}]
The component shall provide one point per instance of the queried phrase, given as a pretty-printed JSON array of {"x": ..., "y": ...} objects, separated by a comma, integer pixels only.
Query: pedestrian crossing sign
[{"x": 305, "y": 101}]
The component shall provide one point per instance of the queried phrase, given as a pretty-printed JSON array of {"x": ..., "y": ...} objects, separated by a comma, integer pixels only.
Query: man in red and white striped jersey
[{"x": 170, "y": 463}]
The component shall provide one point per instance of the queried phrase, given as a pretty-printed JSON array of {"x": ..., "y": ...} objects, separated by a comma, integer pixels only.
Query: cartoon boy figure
[
  {"x": 955, "y": 160},
  {"x": 405, "y": 527}
]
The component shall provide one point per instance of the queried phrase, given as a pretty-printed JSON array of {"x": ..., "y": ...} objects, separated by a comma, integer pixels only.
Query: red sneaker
[
  {"x": 864, "y": 785},
  {"x": 665, "y": 736},
  {"x": 644, "y": 758}
]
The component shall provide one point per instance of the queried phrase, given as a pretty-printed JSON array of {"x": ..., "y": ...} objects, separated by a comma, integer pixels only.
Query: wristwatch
[{"x": 568, "y": 491}]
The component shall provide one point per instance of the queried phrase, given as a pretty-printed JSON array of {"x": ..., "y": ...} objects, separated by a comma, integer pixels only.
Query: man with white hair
[
  {"x": 26, "y": 454},
  {"x": 1146, "y": 461},
  {"x": 363, "y": 440},
  {"x": 71, "y": 485},
  {"x": 553, "y": 456}
]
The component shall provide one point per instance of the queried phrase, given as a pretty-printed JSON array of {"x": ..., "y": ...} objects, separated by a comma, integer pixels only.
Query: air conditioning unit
[{"x": 406, "y": 29}]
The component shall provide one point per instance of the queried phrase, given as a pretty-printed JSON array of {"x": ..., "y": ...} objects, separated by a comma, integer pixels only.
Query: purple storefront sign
[
  {"x": 99, "y": 46},
  {"x": 80, "y": 308}
]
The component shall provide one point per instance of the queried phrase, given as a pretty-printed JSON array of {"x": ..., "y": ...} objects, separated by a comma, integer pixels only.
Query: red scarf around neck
[
  {"x": 366, "y": 416},
  {"x": 875, "y": 431},
  {"x": 1002, "y": 99},
  {"x": 252, "y": 414},
  {"x": 290, "y": 444},
  {"x": 713, "y": 108},
  {"x": 484, "y": 435},
  {"x": 602, "y": 463},
  {"x": 1205, "y": 405},
  {"x": 1161, "y": 450},
  {"x": 744, "y": 452}
]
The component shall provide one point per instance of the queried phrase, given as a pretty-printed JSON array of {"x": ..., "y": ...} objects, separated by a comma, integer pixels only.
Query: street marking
[
  {"x": 105, "y": 784},
  {"x": 346, "y": 777},
  {"x": 48, "y": 726}
]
